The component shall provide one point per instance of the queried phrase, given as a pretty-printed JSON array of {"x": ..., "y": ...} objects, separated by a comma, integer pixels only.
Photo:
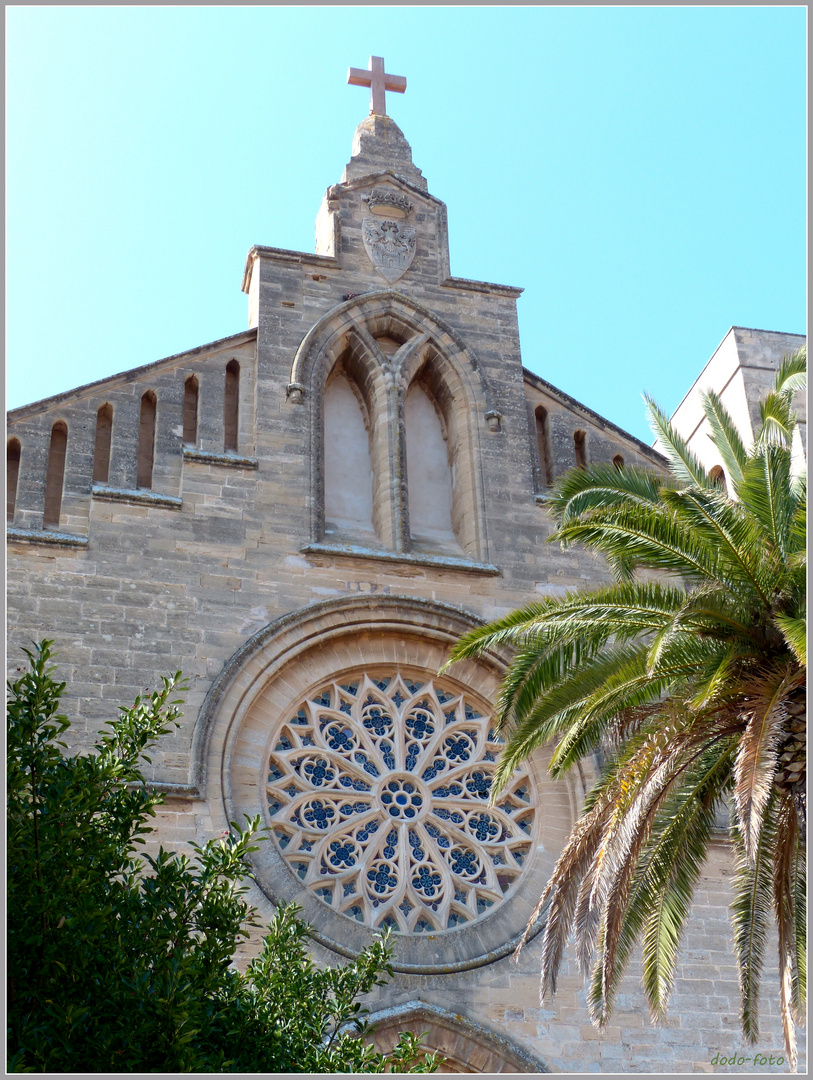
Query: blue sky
[{"x": 641, "y": 172}]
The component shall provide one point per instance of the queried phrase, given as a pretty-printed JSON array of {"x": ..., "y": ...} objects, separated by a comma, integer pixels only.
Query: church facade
[{"x": 303, "y": 518}]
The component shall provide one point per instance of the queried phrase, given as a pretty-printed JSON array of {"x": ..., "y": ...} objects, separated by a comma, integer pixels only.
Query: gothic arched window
[
  {"x": 348, "y": 468},
  {"x": 55, "y": 474},
  {"x": 618, "y": 461},
  {"x": 101, "y": 447},
  {"x": 12, "y": 475},
  {"x": 146, "y": 441}
]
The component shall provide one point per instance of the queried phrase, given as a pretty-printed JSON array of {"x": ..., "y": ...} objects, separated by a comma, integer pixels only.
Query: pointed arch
[
  {"x": 464, "y": 1045},
  {"x": 348, "y": 470},
  {"x": 383, "y": 342},
  {"x": 145, "y": 455}
]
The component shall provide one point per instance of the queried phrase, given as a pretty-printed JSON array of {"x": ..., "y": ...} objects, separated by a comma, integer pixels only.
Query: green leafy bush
[{"x": 121, "y": 962}]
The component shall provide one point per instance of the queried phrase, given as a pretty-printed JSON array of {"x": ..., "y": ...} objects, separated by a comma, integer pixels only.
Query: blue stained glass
[
  {"x": 405, "y": 906},
  {"x": 325, "y": 894},
  {"x": 437, "y": 835},
  {"x": 377, "y": 721},
  {"x": 318, "y": 772},
  {"x": 525, "y": 826},
  {"x": 398, "y": 699},
  {"x": 484, "y": 827},
  {"x": 273, "y": 805},
  {"x": 345, "y": 707},
  {"x": 443, "y": 697},
  {"x": 301, "y": 869},
  {"x": 455, "y": 919},
  {"x": 412, "y": 756},
  {"x": 340, "y": 738},
  {"x": 290, "y": 791},
  {"x": 368, "y": 830},
  {"x": 483, "y": 904},
  {"x": 389, "y": 757},
  {"x": 282, "y": 839},
  {"x": 392, "y": 840},
  {"x": 348, "y": 888},
  {"x": 460, "y": 896},
  {"x": 519, "y": 857},
  {"x": 354, "y": 808},
  {"x": 447, "y": 792},
  {"x": 450, "y": 717},
  {"x": 363, "y": 760},
  {"x": 350, "y": 688},
  {"x": 342, "y": 855},
  {"x": 457, "y": 749},
  {"x": 382, "y": 878},
  {"x": 356, "y": 913},
  {"x": 300, "y": 718},
  {"x": 322, "y": 699},
  {"x": 497, "y": 859},
  {"x": 306, "y": 845},
  {"x": 388, "y": 921},
  {"x": 488, "y": 756},
  {"x": 318, "y": 814},
  {"x": 420, "y": 725},
  {"x": 382, "y": 684},
  {"x": 463, "y": 862},
  {"x": 437, "y": 766},
  {"x": 522, "y": 793},
  {"x": 423, "y": 927},
  {"x": 471, "y": 714},
  {"x": 283, "y": 744},
  {"x": 425, "y": 881},
  {"x": 414, "y": 687},
  {"x": 307, "y": 741},
  {"x": 274, "y": 774},
  {"x": 415, "y": 844},
  {"x": 479, "y": 784}
]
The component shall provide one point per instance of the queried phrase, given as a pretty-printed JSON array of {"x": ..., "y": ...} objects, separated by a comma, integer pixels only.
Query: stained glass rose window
[{"x": 377, "y": 791}]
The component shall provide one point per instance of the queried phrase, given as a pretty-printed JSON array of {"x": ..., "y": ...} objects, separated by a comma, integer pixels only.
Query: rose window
[{"x": 378, "y": 789}]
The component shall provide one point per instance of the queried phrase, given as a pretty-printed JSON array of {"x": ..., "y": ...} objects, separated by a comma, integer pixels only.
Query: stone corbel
[
  {"x": 493, "y": 419},
  {"x": 295, "y": 393}
]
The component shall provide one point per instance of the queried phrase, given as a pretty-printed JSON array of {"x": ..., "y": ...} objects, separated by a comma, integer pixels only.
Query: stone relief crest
[{"x": 390, "y": 246}]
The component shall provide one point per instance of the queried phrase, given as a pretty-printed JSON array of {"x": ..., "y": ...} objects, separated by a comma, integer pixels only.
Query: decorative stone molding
[
  {"x": 493, "y": 419},
  {"x": 234, "y": 461},
  {"x": 441, "y": 562},
  {"x": 136, "y": 496},
  {"x": 295, "y": 393},
  {"x": 249, "y": 713},
  {"x": 464, "y": 1045},
  {"x": 387, "y": 203},
  {"x": 37, "y": 536}
]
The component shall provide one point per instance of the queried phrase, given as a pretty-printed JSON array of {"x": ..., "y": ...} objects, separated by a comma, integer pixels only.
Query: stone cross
[{"x": 378, "y": 81}]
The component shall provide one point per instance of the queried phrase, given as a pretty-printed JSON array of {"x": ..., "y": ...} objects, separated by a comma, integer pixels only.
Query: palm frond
[
  {"x": 750, "y": 913},
  {"x": 684, "y": 466},
  {"x": 776, "y": 421},
  {"x": 755, "y": 766},
  {"x": 794, "y": 631},
  {"x": 599, "y": 486},
  {"x": 725, "y": 437},
  {"x": 791, "y": 375},
  {"x": 785, "y": 868}
]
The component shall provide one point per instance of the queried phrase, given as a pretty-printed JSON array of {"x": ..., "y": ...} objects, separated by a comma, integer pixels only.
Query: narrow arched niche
[
  {"x": 231, "y": 406},
  {"x": 580, "y": 448},
  {"x": 146, "y": 441},
  {"x": 102, "y": 444},
  {"x": 55, "y": 475},
  {"x": 190, "y": 411},
  {"x": 430, "y": 472},
  {"x": 543, "y": 444},
  {"x": 348, "y": 470},
  {"x": 13, "y": 450},
  {"x": 618, "y": 461},
  {"x": 717, "y": 476}
]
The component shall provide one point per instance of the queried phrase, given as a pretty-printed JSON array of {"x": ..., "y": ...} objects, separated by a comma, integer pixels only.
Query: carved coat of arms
[{"x": 390, "y": 245}]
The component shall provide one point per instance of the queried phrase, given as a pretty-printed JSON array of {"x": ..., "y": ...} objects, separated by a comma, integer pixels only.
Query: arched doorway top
[{"x": 467, "y": 1046}]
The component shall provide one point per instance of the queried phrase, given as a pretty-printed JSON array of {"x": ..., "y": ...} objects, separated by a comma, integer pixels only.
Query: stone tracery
[{"x": 377, "y": 793}]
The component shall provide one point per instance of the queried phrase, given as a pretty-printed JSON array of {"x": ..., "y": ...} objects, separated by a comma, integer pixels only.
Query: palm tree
[{"x": 689, "y": 683}]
